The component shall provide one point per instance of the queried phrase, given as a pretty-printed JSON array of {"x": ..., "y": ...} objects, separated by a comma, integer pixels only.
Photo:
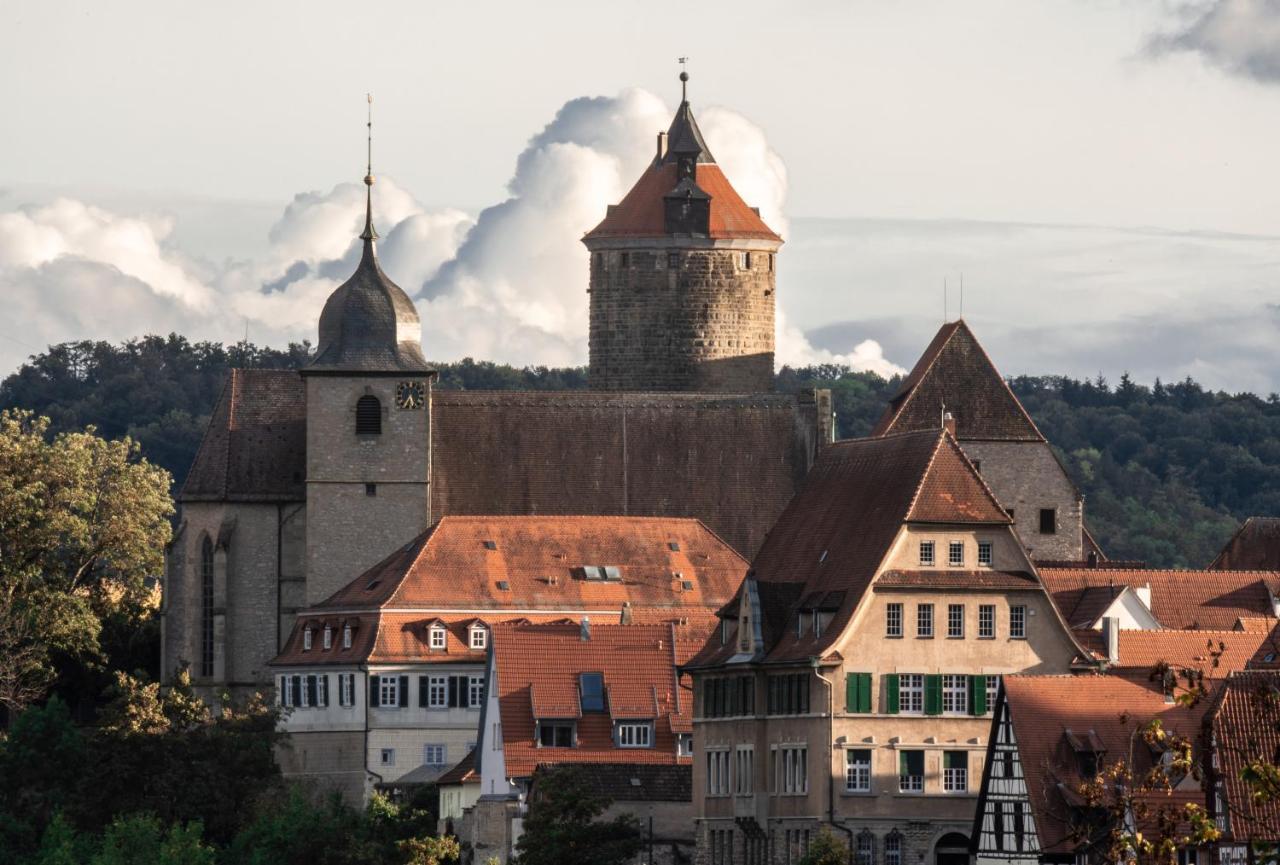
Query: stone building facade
[{"x": 683, "y": 279}]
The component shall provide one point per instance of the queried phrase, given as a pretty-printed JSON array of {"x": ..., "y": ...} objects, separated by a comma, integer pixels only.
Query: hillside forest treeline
[{"x": 1168, "y": 471}]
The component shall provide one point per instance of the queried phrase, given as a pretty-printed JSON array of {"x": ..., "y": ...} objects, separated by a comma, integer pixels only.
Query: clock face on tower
[{"x": 411, "y": 394}]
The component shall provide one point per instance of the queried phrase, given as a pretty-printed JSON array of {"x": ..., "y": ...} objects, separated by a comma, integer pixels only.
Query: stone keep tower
[
  {"x": 368, "y": 426},
  {"x": 682, "y": 278}
]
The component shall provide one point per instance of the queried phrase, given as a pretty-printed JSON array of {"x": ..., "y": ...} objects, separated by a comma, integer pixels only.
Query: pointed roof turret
[
  {"x": 684, "y": 138},
  {"x": 369, "y": 324}
]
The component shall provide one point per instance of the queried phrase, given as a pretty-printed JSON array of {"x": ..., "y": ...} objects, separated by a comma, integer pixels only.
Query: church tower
[
  {"x": 682, "y": 278},
  {"x": 368, "y": 425}
]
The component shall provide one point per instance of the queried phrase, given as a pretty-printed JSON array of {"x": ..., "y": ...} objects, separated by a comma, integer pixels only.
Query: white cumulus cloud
[{"x": 1241, "y": 37}]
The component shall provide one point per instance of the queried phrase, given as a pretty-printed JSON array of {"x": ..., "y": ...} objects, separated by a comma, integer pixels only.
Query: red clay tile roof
[
  {"x": 1105, "y": 708},
  {"x": 1255, "y": 546},
  {"x": 641, "y": 211},
  {"x": 1246, "y": 727},
  {"x": 533, "y": 661},
  {"x": 255, "y": 446},
  {"x": 1179, "y": 598},
  {"x": 463, "y": 773},
  {"x": 835, "y": 533},
  {"x": 1214, "y": 653},
  {"x": 957, "y": 580},
  {"x": 955, "y": 372},
  {"x": 364, "y": 636}
]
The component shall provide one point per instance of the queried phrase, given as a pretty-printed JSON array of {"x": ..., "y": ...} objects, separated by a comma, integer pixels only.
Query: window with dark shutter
[
  {"x": 422, "y": 692},
  {"x": 313, "y": 693},
  {"x": 404, "y": 691},
  {"x": 373, "y": 691},
  {"x": 368, "y": 416}
]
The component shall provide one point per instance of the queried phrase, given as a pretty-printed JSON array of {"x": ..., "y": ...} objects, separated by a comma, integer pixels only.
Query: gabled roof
[
  {"x": 1179, "y": 598},
  {"x": 835, "y": 533},
  {"x": 1247, "y": 728},
  {"x": 537, "y": 668},
  {"x": 1105, "y": 710},
  {"x": 956, "y": 375},
  {"x": 463, "y": 773},
  {"x": 1254, "y": 546},
  {"x": 254, "y": 448},
  {"x": 632, "y": 782},
  {"x": 1214, "y": 653}
]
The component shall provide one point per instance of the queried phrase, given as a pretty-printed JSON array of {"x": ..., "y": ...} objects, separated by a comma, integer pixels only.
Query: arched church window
[
  {"x": 368, "y": 416},
  {"x": 206, "y": 607},
  {"x": 866, "y": 853},
  {"x": 893, "y": 848}
]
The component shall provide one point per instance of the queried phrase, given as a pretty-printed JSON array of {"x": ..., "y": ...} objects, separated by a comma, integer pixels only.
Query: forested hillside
[{"x": 1168, "y": 471}]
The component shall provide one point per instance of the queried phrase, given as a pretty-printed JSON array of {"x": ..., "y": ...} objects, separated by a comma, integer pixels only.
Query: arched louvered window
[
  {"x": 206, "y": 607},
  {"x": 368, "y": 416}
]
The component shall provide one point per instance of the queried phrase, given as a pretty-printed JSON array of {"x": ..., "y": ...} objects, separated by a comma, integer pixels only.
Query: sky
[{"x": 1099, "y": 173}]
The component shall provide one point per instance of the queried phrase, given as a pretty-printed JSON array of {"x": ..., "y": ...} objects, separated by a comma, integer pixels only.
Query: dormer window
[
  {"x": 479, "y": 637},
  {"x": 437, "y": 639},
  {"x": 591, "y": 692},
  {"x": 368, "y": 416},
  {"x": 1088, "y": 749},
  {"x": 306, "y": 640},
  {"x": 346, "y": 636},
  {"x": 327, "y": 638}
]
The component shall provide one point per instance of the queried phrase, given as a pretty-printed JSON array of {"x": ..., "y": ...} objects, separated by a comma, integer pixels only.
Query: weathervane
[{"x": 684, "y": 79}]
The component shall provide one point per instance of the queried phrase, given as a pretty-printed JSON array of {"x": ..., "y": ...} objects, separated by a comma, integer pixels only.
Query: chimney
[
  {"x": 662, "y": 145},
  {"x": 949, "y": 422},
  {"x": 1092, "y": 561},
  {"x": 1111, "y": 634},
  {"x": 625, "y": 618},
  {"x": 586, "y": 629}
]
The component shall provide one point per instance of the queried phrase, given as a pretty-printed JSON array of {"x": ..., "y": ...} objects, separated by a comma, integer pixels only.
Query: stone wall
[
  {"x": 680, "y": 319},
  {"x": 1026, "y": 477},
  {"x": 325, "y": 761}
]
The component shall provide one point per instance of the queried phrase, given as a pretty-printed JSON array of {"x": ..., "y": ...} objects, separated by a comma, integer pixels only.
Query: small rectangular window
[
  {"x": 993, "y": 685},
  {"x": 1048, "y": 521},
  {"x": 306, "y": 640},
  {"x": 924, "y": 620},
  {"x": 1018, "y": 622},
  {"x": 910, "y": 771},
  {"x": 986, "y": 621},
  {"x": 893, "y": 620},
  {"x": 955, "y": 554},
  {"x": 984, "y": 553},
  {"x": 370, "y": 489},
  {"x": 433, "y": 755},
  {"x": 624, "y": 259},
  {"x": 955, "y": 621},
  {"x": 673, "y": 260},
  {"x": 718, "y": 772},
  {"x": 388, "y": 691},
  {"x": 911, "y": 693},
  {"x": 555, "y": 734},
  {"x": 926, "y": 554},
  {"x": 955, "y": 694},
  {"x": 635, "y": 735},
  {"x": 475, "y": 691},
  {"x": 857, "y": 774},
  {"x": 388, "y": 756},
  {"x": 955, "y": 771}
]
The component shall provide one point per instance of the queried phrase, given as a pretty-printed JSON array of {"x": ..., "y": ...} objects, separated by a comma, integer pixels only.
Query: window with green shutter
[
  {"x": 977, "y": 695},
  {"x": 933, "y": 694},
  {"x": 891, "y": 693},
  {"x": 857, "y": 692}
]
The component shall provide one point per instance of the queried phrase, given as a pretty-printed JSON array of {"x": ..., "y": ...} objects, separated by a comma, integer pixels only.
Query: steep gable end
[
  {"x": 955, "y": 374},
  {"x": 952, "y": 492}
]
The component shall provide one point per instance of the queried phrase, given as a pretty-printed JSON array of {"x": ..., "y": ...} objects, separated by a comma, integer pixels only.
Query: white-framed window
[
  {"x": 433, "y": 755},
  {"x": 955, "y": 554},
  {"x": 306, "y": 640},
  {"x": 993, "y": 686},
  {"x": 792, "y": 769},
  {"x": 304, "y": 697},
  {"x": 388, "y": 691},
  {"x": 926, "y": 554},
  {"x": 857, "y": 770},
  {"x": 984, "y": 553},
  {"x": 347, "y": 689},
  {"x": 910, "y": 771},
  {"x": 911, "y": 693},
  {"x": 388, "y": 756},
  {"x": 346, "y": 636},
  {"x": 955, "y": 621},
  {"x": 437, "y": 692},
  {"x": 286, "y": 692},
  {"x": 475, "y": 691},
  {"x": 955, "y": 694},
  {"x": 893, "y": 620},
  {"x": 1018, "y": 622},
  {"x": 718, "y": 772},
  {"x": 744, "y": 768},
  {"x": 865, "y": 849},
  {"x": 684, "y": 744},
  {"x": 986, "y": 621},
  {"x": 955, "y": 771},
  {"x": 893, "y": 848},
  {"x": 479, "y": 637},
  {"x": 635, "y": 735},
  {"x": 924, "y": 620},
  {"x": 327, "y": 640},
  {"x": 437, "y": 638},
  {"x": 744, "y": 260}
]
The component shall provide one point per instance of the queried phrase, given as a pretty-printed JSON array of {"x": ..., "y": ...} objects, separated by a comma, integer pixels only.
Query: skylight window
[
  {"x": 490, "y": 545},
  {"x": 504, "y": 586},
  {"x": 591, "y": 689}
]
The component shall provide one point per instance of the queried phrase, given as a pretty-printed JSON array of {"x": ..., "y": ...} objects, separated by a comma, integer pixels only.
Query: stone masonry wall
[
  {"x": 666, "y": 319},
  {"x": 1025, "y": 477}
]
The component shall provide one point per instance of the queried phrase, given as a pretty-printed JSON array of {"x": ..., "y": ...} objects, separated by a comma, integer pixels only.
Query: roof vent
[
  {"x": 504, "y": 586},
  {"x": 373, "y": 584},
  {"x": 490, "y": 545},
  {"x": 687, "y": 585},
  {"x": 635, "y": 782},
  {"x": 674, "y": 546}
]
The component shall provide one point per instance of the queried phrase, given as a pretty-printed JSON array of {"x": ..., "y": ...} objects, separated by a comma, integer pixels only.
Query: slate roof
[
  {"x": 1101, "y": 709},
  {"x": 733, "y": 461},
  {"x": 537, "y": 669},
  {"x": 1254, "y": 546},
  {"x": 632, "y": 782},
  {"x": 1179, "y": 598},
  {"x": 956, "y": 372},
  {"x": 369, "y": 324},
  {"x": 835, "y": 533},
  {"x": 1247, "y": 727}
]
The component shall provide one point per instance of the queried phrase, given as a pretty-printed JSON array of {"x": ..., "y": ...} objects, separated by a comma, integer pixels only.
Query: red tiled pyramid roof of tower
[
  {"x": 1179, "y": 598},
  {"x": 537, "y": 669},
  {"x": 1102, "y": 711},
  {"x": 1254, "y": 546},
  {"x": 641, "y": 211},
  {"x": 955, "y": 373}
]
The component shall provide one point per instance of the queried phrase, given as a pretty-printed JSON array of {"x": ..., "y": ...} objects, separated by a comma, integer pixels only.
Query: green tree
[
  {"x": 562, "y": 826},
  {"x": 826, "y": 849},
  {"x": 288, "y": 828},
  {"x": 62, "y": 845},
  {"x": 140, "y": 839},
  {"x": 41, "y": 760}
]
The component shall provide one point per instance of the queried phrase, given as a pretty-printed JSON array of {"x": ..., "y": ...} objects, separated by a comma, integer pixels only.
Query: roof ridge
[
  {"x": 999, "y": 375},
  {"x": 915, "y": 496},
  {"x": 424, "y": 539}
]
